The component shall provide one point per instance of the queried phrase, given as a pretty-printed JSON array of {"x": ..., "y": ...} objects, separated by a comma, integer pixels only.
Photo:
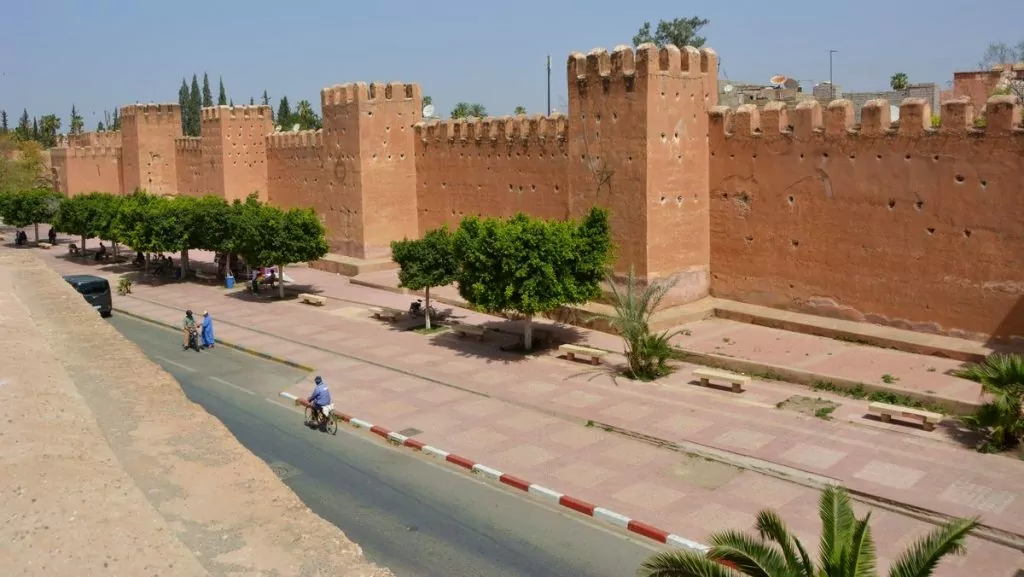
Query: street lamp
[{"x": 831, "y": 84}]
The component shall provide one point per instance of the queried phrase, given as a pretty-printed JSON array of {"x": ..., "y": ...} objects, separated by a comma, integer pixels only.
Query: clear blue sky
[{"x": 103, "y": 53}]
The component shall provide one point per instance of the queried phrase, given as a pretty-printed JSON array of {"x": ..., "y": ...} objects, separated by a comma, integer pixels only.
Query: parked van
[{"x": 96, "y": 291}]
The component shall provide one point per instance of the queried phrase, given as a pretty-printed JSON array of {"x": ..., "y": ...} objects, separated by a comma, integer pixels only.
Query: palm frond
[
  {"x": 805, "y": 559},
  {"x": 752, "y": 557},
  {"x": 860, "y": 555},
  {"x": 772, "y": 528},
  {"x": 837, "y": 520},
  {"x": 680, "y": 563},
  {"x": 921, "y": 558}
]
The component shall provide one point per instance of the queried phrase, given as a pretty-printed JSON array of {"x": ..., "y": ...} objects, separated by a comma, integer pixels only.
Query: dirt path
[{"x": 110, "y": 470}]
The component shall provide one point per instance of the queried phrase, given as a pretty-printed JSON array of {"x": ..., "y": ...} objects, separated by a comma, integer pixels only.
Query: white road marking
[
  {"x": 232, "y": 385},
  {"x": 175, "y": 363}
]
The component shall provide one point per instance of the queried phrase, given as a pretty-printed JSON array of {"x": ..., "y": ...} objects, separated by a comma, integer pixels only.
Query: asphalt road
[{"x": 415, "y": 516}]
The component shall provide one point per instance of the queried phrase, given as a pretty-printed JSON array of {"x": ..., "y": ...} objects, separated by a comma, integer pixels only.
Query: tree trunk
[
  {"x": 184, "y": 264},
  {"x": 426, "y": 311},
  {"x": 81, "y": 249},
  {"x": 147, "y": 262},
  {"x": 528, "y": 333},
  {"x": 36, "y": 225},
  {"x": 280, "y": 280}
]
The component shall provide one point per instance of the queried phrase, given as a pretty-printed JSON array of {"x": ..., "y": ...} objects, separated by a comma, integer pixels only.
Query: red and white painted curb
[{"x": 578, "y": 505}]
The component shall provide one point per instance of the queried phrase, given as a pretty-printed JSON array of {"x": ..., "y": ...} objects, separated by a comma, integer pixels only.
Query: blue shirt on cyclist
[{"x": 321, "y": 396}]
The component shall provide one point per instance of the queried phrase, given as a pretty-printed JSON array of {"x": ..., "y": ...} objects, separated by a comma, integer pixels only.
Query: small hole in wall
[
  {"x": 824, "y": 155},
  {"x": 663, "y": 137},
  {"x": 959, "y": 178},
  {"x": 801, "y": 156},
  {"x": 935, "y": 158},
  {"x": 663, "y": 200},
  {"x": 679, "y": 199},
  {"x": 533, "y": 187},
  {"x": 754, "y": 155},
  {"x": 444, "y": 185},
  {"x": 748, "y": 238},
  {"x": 791, "y": 199},
  {"x": 401, "y": 155},
  {"x": 853, "y": 157},
  {"x": 892, "y": 204},
  {"x": 732, "y": 156},
  {"x": 906, "y": 157},
  {"x": 931, "y": 230},
  {"x": 984, "y": 183},
  {"x": 919, "y": 205},
  {"x": 676, "y": 136},
  {"x": 725, "y": 196},
  {"x": 967, "y": 233},
  {"x": 556, "y": 188},
  {"x": 794, "y": 243},
  {"x": 878, "y": 156},
  {"x": 597, "y": 118},
  {"x": 615, "y": 116}
]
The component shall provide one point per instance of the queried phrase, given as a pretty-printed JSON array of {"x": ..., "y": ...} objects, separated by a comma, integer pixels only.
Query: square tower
[
  {"x": 147, "y": 147},
  {"x": 638, "y": 145},
  {"x": 234, "y": 150}
]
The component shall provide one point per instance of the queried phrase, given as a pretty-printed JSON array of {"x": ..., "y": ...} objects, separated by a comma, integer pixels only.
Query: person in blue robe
[{"x": 207, "y": 331}]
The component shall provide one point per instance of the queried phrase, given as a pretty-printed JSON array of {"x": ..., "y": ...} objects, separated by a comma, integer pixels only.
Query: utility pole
[
  {"x": 831, "y": 84},
  {"x": 548, "y": 113}
]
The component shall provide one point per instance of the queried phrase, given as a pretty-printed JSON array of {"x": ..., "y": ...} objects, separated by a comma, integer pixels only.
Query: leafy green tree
[
  {"x": 426, "y": 262},
  {"x": 77, "y": 122},
  {"x": 195, "y": 99},
  {"x": 284, "y": 114},
  {"x": 23, "y": 171},
  {"x": 678, "y": 32},
  {"x": 306, "y": 117},
  {"x": 520, "y": 110},
  {"x": 76, "y": 215},
  {"x": 49, "y": 127},
  {"x": 467, "y": 110},
  {"x": 151, "y": 224},
  {"x": 532, "y": 266},
  {"x": 22, "y": 208},
  {"x": 222, "y": 95},
  {"x": 207, "y": 93},
  {"x": 847, "y": 548},
  {"x": 899, "y": 81},
  {"x": 428, "y": 100},
  {"x": 184, "y": 103},
  {"x": 266, "y": 235},
  {"x": 1002, "y": 377}
]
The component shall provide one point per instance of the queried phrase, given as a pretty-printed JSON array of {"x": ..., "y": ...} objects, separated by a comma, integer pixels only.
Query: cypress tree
[
  {"x": 222, "y": 98},
  {"x": 195, "y": 107},
  {"x": 35, "y": 129},
  {"x": 284, "y": 114},
  {"x": 3, "y": 122},
  {"x": 116, "y": 123},
  {"x": 266, "y": 102},
  {"x": 184, "y": 104},
  {"x": 207, "y": 93}
]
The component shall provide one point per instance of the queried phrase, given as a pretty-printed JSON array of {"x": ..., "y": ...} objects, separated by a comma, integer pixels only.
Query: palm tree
[
  {"x": 899, "y": 81},
  {"x": 1001, "y": 376},
  {"x": 846, "y": 548},
  {"x": 647, "y": 353}
]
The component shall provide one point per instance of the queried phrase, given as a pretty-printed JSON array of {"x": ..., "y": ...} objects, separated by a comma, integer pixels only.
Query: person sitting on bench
[{"x": 101, "y": 253}]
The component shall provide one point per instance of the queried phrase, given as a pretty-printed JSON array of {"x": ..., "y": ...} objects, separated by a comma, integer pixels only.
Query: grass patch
[
  {"x": 860, "y": 393},
  {"x": 814, "y": 407}
]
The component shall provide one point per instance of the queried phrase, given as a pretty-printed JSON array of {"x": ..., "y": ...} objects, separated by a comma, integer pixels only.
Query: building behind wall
[{"x": 794, "y": 205}]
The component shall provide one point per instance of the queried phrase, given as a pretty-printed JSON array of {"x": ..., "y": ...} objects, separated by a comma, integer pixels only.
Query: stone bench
[
  {"x": 316, "y": 300},
  {"x": 44, "y": 245},
  {"x": 464, "y": 330},
  {"x": 573, "y": 351},
  {"x": 205, "y": 276},
  {"x": 707, "y": 375},
  {"x": 390, "y": 315},
  {"x": 886, "y": 412}
]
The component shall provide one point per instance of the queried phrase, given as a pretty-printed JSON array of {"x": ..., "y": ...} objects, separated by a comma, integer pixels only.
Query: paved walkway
[{"x": 398, "y": 379}]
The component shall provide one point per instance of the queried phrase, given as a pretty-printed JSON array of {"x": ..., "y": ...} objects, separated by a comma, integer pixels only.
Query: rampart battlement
[
  {"x": 93, "y": 151},
  {"x": 296, "y": 139},
  {"x": 188, "y": 143},
  {"x": 157, "y": 112},
  {"x": 648, "y": 59},
  {"x": 537, "y": 128},
  {"x": 341, "y": 94},
  {"x": 1002, "y": 117},
  {"x": 109, "y": 138},
  {"x": 216, "y": 113}
]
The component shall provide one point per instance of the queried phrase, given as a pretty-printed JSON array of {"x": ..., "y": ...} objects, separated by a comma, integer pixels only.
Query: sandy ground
[{"x": 108, "y": 469}]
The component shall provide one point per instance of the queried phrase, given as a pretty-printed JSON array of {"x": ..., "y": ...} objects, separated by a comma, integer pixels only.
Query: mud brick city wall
[
  {"x": 188, "y": 161},
  {"x": 87, "y": 169},
  {"x": 491, "y": 167},
  {"x": 148, "y": 132},
  {"x": 907, "y": 226},
  {"x": 234, "y": 150}
]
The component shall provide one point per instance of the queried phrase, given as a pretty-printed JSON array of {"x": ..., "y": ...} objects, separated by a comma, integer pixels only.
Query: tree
[
  {"x": 222, "y": 95},
  {"x": 284, "y": 114},
  {"x": 100, "y": 127},
  {"x": 78, "y": 215},
  {"x": 23, "y": 171},
  {"x": 647, "y": 353},
  {"x": 1001, "y": 53},
  {"x": 265, "y": 100},
  {"x": 207, "y": 93},
  {"x": 3, "y": 122},
  {"x": 520, "y": 110},
  {"x": 22, "y": 208},
  {"x": 35, "y": 129},
  {"x": 466, "y": 110},
  {"x": 306, "y": 117},
  {"x": 184, "y": 103},
  {"x": 531, "y": 266},
  {"x": 1002, "y": 377},
  {"x": 266, "y": 235},
  {"x": 899, "y": 81},
  {"x": 678, "y": 32},
  {"x": 77, "y": 122},
  {"x": 195, "y": 108},
  {"x": 847, "y": 548},
  {"x": 252, "y": 101},
  {"x": 426, "y": 262},
  {"x": 24, "y": 130},
  {"x": 150, "y": 224},
  {"x": 116, "y": 123},
  {"x": 49, "y": 127}
]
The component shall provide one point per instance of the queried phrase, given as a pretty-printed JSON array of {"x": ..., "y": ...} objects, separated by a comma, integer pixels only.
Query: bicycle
[{"x": 319, "y": 420}]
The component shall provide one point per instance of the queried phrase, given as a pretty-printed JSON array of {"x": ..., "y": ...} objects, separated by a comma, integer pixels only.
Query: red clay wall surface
[
  {"x": 189, "y": 166},
  {"x": 491, "y": 167},
  {"x": 93, "y": 169},
  {"x": 913, "y": 228},
  {"x": 296, "y": 177},
  {"x": 148, "y": 152}
]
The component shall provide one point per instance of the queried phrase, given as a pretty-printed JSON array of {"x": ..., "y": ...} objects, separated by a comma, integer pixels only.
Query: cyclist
[{"x": 320, "y": 400}]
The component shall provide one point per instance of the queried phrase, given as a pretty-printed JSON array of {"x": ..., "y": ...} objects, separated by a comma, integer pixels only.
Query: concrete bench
[
  {"x": 886, "y": 412},
  {"x": 390, "y": 315},
  {"x": 464, "y": 330},
  {"x": 707, "y": 375},
  {"x": 44, "y": 245},
  {"x": 205, "y": 276},
  {"x": 573, "y": 351},
  {"x": 73, "y": 249},
  {"x": 313, "y": 299}
]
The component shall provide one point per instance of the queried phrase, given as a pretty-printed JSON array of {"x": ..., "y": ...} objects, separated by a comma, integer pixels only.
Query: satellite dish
[
  {"x": 894, "y": 113},
  {"x": 791, "y": 84},
  {"x": 296, "y": 127},
  {"x": 728, "y": 88},
  {"x": 777, "y": 79},
  {"x": 428, "y": 111}
]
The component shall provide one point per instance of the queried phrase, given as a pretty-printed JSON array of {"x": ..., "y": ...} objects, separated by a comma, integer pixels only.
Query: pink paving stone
[
  {"x": 813, "y": 456},
  {"x": 520, "y": 458},
  {"x": 402, "y": 384},
  {"x": 578, "y": 399},
  {"x": 581, "y": 474},
  {"x": 762, "y": 490},
  {"x": 640, "y": 455},
  {"x": 757, "y": 343},
  {"x": 647, "y": 495},
  {"x": 479, "y": 407},
  {"x": 572, "y": 436},
  {"x": 476, "y": 442},
  {"x": 523, "y": 421},
  {"x": 441, "y": 395},
  {"x": 744, "y": 439},
  {"x": 889, "y": 474},
  {"x": 714, "y": 517}
]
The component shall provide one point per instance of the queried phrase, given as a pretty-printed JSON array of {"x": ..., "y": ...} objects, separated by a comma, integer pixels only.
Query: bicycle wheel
[
  {"x": 310, "y": 416},
  {"x": 332, "y": 425}
]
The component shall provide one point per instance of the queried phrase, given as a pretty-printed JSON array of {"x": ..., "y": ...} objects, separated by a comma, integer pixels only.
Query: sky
[{"x": 99, "y": 54}]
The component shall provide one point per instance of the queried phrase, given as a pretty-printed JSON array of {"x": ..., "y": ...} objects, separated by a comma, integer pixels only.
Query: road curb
[
  {"x": 580, "y": 506},
  {"x": 222, "y": 342}
]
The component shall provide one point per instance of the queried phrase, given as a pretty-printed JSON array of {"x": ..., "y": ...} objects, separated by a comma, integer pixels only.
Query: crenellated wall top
[
  {"x": 296, "y": 139},
  {"x": 648, "y": 59},
  {"x": 537, "y": 128}
]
